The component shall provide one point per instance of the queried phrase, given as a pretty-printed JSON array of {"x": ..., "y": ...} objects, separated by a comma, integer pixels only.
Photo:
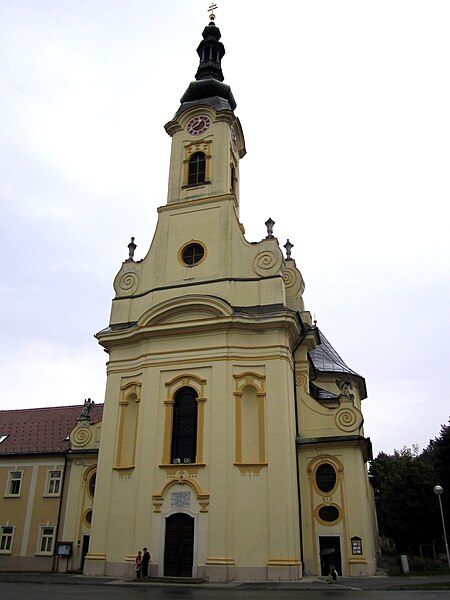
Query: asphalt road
[{"x": 56, "y": 591}]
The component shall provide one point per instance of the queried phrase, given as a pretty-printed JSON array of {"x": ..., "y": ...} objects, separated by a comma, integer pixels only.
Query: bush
[{"x": 423, "y": 564}]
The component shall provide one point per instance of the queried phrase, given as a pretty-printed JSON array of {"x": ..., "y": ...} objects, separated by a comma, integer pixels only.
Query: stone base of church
[
  {"x": 362, "y": 568},
  {"x": 210, "y": 572},
  {"x": 95, "y": 566}
]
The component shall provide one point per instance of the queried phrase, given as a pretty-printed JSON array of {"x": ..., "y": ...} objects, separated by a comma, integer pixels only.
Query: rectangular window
[
  {"x": 54, "y": 483},
  {"x": 6, "y": 536},
  {"x": 46, "y": 540},
  {"x": 15, "y": 481}
]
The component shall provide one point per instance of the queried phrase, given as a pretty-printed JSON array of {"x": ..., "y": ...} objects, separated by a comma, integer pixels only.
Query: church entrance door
[
  {"x": 179, "y": 546},
  {"x": 330, "y": 552}
]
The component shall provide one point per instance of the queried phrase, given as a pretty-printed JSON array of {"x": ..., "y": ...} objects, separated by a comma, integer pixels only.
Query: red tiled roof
[{"x": 42, "y": 430}]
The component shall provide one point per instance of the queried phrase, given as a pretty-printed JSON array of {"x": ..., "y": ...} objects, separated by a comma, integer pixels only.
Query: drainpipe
[{"x": 58, "y": 522}]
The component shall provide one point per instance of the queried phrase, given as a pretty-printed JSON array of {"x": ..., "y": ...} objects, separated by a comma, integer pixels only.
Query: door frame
[
  {"x": 164, "y": 518},
  {"x": 85, "y": 540},
  {"x": 319, "y": 558}
]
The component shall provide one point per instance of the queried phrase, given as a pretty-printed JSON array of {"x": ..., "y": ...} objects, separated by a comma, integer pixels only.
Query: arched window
[
  {"x": 197, "y": 168},
  {"x": 184, "y": 427}
]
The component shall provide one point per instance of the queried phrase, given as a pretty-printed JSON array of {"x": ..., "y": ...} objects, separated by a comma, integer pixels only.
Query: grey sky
[{"x": 345, "y": 109}]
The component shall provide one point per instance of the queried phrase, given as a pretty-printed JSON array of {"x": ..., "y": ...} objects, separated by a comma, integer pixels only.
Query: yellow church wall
[
  {"x": 218, "y": 546},
  {"x": 350, "y": 495}
]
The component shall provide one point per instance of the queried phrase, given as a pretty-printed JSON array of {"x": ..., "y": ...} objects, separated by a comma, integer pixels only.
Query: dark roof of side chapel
[
  {"x": 326, "y": 360},
  {"x": 41, "y": 430}
]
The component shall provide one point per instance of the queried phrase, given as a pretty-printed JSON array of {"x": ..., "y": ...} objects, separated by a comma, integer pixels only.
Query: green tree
[
  {"x": 438, "y": 452},
  {"x": 403, "y": 485}
]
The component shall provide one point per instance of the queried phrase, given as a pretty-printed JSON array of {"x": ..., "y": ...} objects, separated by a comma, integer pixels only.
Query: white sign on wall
[{"x": 180, "y": 500}]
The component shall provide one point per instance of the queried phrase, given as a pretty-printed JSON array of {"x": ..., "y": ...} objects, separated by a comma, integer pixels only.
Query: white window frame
[
  {"x": 5, "y": 537},
  {"x": 44, "y": 539},
  {"x": 53, "y": 482},
  {"x": 13, "y": 476}
]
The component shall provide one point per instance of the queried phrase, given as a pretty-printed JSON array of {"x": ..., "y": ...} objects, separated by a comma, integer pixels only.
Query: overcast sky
[{"x": 345, "y": 107}]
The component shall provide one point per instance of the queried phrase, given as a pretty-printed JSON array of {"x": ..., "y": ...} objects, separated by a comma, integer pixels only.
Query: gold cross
[{"x": 212, "y": 8}]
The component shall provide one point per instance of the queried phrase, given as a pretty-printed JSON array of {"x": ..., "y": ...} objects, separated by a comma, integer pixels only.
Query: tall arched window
[
  {"x": 184, "y": 426},
  {"x": 197, "y": 168}
]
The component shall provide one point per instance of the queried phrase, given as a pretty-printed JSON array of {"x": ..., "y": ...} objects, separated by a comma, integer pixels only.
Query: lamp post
[{"x": 438, "y": 490}]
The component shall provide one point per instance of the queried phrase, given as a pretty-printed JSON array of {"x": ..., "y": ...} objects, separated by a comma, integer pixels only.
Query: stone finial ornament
[
  {"x": 269, "y": 224},
  {"x": 131, "y": 248},
  {"x": 288, "y": 246}
]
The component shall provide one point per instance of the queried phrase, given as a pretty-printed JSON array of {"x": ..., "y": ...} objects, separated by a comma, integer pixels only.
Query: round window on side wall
[
  {"x": 326, "y": 478},
  {"x": 329, "y": 514},
  {"x": 192, "y": 254}
]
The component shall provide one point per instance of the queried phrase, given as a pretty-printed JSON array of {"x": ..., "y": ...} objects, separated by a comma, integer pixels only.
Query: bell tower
[{"x": 207, "y": 137}]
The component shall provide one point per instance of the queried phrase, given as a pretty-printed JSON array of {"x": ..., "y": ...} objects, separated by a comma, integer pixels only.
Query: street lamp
[{"x": 438, "y": 490}]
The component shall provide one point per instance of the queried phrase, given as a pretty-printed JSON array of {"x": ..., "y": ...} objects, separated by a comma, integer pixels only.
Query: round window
[
  {"x": 325, "y": 477},
  {"x": 192, "y": 254},
  {"x": 88, "y": 516},
  {"x": 329, "y": 513}
]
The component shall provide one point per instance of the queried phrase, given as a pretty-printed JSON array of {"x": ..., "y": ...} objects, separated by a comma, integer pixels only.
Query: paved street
[
  {"x": 50, "y": 586},
  {"x": 19, "y": 591}
]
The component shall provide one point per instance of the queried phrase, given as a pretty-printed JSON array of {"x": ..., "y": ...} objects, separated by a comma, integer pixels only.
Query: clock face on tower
[{"x": 198, "y": 125}]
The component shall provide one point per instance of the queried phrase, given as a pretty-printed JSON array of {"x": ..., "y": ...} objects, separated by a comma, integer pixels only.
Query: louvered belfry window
[{"x": 184, "y": 427}]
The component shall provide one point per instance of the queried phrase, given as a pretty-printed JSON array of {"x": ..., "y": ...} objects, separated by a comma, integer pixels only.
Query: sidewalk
[{"x": 307, "y": 583}]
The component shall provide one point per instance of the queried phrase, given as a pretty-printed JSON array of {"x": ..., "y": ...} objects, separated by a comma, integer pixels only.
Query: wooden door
[{"x": 179, "y": 546}]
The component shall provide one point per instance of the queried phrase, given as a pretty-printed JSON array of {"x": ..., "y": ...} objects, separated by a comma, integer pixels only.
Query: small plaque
[
  {"x": 180, "y": 500},
  {"x": 356, "y": 545}
]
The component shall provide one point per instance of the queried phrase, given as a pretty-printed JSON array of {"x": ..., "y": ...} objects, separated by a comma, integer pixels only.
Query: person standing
[
  {"x": 138, "y": 565},
  {"x": 332, "y": 575},
  {"x": 145, "y": 563}
]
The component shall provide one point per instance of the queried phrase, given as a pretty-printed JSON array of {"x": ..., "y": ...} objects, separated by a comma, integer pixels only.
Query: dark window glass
[
  {"x": 329, "y": 513},
  {"x": 184, "y": 428},
  {"x": 92, "y": 484},
  {"x": 89, "y": 516},
  {"x": 15, "y": 481},
  {"x": 193, "y": 253},
  {"x": 326, "y": 477},
  {"x": 197, "y": 168}
]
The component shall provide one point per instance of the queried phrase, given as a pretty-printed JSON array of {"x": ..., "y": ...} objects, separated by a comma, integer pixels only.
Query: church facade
[
  {"x": 232, "y": 431},
  {"x": 231, "y": 441}
]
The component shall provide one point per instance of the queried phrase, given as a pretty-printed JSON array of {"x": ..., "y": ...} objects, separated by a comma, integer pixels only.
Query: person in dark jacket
[{"x": 145, "y": 563}]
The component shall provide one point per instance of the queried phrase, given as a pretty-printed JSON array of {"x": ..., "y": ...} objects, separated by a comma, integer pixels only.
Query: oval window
[
  {"x": 192, "y": 254},
  {"x": 326, "y": 477},
  {"x": 329, "y": 513}
]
